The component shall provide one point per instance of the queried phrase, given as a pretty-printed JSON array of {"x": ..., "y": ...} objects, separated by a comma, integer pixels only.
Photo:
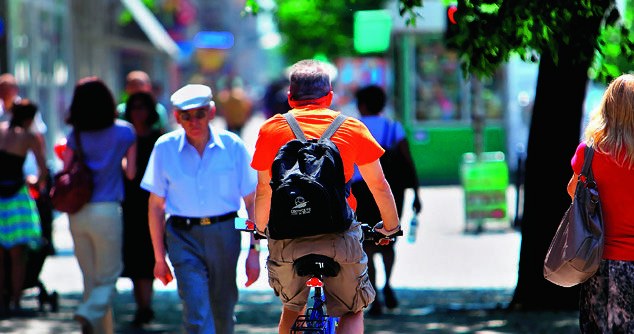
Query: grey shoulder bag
[{"x": 576, "y": 250}]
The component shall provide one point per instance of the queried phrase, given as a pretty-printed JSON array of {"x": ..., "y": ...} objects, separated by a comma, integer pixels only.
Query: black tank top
[{"x": 11, "y": 174}]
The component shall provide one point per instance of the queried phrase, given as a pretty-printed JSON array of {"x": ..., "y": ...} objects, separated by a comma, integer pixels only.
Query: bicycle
[{"x": 316, "y": 267}]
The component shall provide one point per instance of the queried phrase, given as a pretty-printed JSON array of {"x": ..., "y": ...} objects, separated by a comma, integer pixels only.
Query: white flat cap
[{"x": 192, "y": 96}]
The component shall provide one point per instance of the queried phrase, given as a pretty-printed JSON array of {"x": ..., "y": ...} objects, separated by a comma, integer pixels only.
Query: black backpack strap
[
  {"x": 333, "y": 127},
  {"x": 292, "y": 122}
]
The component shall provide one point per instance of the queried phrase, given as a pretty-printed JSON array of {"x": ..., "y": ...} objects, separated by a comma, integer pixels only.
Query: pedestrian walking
[
  {"x": 20, "y": 227},
  {"x": 107, "y": 144},
  {"x": 137, "y": 82},
  {"x": 9, "y": 96},
  {"x": 234, "y": 104},
  {"x": 138, "y": 254},
  {"x": 399, "y": 170},
  {"x": 606, "y": 300},
  {"x": 200, "y": 177}
]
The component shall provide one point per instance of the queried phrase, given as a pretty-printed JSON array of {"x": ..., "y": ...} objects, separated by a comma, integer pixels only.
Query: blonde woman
[{"x": 607, "y": 299}]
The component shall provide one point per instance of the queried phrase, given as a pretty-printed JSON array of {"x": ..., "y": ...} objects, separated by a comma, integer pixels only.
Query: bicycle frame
[
  {"x": 315, "y": 319},
  {"x": 316, "y": 267}
]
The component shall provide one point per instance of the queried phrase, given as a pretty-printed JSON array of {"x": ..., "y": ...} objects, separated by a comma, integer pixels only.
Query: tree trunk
[{"x": 553, "y": 137}]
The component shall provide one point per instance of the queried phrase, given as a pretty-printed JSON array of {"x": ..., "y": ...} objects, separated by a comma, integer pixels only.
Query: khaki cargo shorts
[{"x": 348, "y": 292}]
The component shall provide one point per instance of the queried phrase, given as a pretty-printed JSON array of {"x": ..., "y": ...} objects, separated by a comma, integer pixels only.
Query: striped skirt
[{"x": 20, "y": 221}]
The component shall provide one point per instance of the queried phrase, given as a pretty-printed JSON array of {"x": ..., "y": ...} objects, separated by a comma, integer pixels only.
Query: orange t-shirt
[{"x": 353, "y": 139}]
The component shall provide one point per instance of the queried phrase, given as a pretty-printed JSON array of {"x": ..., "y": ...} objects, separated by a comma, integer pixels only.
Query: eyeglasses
[{"x": 199, "y": 113}]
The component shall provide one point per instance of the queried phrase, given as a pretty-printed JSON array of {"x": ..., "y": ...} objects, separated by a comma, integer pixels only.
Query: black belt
[{"x": 185, "y": 223}]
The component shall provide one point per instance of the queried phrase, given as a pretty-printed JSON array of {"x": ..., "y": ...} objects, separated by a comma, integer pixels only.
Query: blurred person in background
[
  {"x": 371, "y": 101},
  {"x": 139, "y": 81},
  {"x": 275, "y": 100},
  {"x": 234, "y": 105},
  {"x": 108, "y": 145},
  {"x": 138, "y": 255},
  {"x": 19, "y": 220},
  {"x": 606, "y": 300},
  {"x": 9, "y": 96}
]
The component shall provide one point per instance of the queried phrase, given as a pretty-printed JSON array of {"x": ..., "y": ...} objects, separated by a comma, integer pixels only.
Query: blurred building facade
[{"x": 50, "y": 44}]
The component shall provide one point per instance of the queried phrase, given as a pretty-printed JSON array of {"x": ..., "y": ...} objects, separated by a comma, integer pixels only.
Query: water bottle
[{"x": 413, "y": 226}]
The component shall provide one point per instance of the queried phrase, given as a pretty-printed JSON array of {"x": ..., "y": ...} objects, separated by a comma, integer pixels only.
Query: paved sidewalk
[
  {"x": 447, "y": 281},
  {"x": 420, "y": 311}
]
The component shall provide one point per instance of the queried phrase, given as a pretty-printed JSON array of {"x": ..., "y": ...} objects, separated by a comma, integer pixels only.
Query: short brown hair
[{"x": 309, "y": 79}]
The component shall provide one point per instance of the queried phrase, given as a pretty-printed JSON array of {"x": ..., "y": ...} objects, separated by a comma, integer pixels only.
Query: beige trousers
[{"x": 97, "y": 231}]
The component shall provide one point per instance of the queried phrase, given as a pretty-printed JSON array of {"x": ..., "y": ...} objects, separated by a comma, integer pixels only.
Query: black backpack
[{"x": 309, "y": 187}]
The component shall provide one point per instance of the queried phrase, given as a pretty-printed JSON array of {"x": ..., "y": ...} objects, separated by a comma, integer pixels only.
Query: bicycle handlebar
[
  {"x": 380, "y": 239},
  {"x": 245, "y": 225}
]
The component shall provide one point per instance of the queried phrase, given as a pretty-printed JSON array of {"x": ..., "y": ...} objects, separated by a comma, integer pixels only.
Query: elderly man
[{"x": 199, "y": 176}]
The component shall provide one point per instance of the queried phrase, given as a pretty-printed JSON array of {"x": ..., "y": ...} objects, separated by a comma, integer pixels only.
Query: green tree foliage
[
  {"x": 493, "y": 30},
  {"x": 310, "y": 27},
  {"x": 616, "y": 44}
]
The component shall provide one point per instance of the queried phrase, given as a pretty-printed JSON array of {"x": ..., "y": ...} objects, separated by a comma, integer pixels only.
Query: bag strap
[
  {"x": 586, "y": 170},
  {"x": 80, "y": 151},
  {"x": 299, "y": 134}
]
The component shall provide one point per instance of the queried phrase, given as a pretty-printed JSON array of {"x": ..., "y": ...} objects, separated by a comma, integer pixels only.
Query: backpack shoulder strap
[
  {"x": 292, "y": 122},
  {"x": 332, "y": 128}
]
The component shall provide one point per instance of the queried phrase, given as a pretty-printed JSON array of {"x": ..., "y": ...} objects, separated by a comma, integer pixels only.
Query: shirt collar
[
  {"x": 319, "y": 103},
  {"x": 214, "y": 139}
]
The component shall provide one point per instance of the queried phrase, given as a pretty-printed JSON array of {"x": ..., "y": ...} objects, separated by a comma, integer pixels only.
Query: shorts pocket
[
  {"x": 365, "y": 294},
  {"x": 349, "y": 248},
  {"x": 274, "y": 282}
]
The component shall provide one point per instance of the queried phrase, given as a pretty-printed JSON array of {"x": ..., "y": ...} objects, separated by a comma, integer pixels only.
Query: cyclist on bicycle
[{"x": 347, "y": 294}]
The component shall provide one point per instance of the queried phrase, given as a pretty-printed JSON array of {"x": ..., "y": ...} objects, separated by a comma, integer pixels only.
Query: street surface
[{"x": 443, "y": 256}]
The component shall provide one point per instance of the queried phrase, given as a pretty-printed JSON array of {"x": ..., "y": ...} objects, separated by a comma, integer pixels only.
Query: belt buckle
[{"x": 205, "y": 221}]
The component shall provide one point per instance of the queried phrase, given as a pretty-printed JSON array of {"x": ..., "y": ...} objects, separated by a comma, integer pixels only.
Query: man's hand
[
  {"x": 418, "y": 204},
  {"x": 252, "y": 265},
  {"x": 387, "y": 234},
  {"x": 162, "y": 272}
]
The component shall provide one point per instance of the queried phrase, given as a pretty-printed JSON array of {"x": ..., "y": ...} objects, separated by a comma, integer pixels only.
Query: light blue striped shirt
[{"x": 196, "y": 186}]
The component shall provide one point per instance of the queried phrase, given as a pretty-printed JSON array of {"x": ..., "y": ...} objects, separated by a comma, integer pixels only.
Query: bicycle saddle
[{"x": 315, "y": 265}]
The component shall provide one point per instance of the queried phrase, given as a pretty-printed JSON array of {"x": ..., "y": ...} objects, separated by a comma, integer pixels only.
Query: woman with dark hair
[
  {"x": 19, "y": 220},
  {"x": 138, "y": 255},
  {"x": 400, "y": 172},
  {"x": 108, "y": 145}
]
